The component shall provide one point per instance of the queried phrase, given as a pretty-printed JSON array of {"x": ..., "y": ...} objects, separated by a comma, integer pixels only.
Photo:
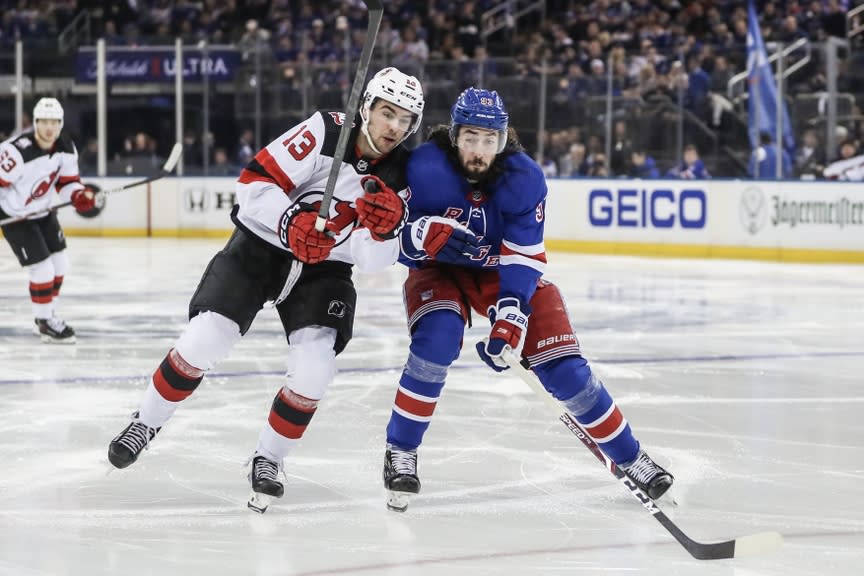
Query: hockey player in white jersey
[
  {"x": 275, "y": 254},
  {"x": 33, "y": 164}
]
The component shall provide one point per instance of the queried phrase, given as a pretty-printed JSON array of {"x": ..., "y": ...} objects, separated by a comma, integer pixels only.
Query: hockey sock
[
  {"x": 290, "y": 414},
  {"x": 61, "y": 265},
  {"x": 572, "y": 381},
  {"x": 176, "y": 379},
  {"x": 435, "y": 344},
  {"x": 58, "y": 283},
  {"x": 172, "y": 382},
  {"x": 41, "y": 288},
  {"x": 419, "y": 389}
]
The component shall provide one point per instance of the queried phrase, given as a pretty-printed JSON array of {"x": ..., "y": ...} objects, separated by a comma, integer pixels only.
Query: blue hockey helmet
[{"x": 481, "y": 108}]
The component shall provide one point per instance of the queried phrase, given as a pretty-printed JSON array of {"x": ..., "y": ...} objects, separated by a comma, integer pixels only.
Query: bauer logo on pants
[{"x": 336, "y": 308}]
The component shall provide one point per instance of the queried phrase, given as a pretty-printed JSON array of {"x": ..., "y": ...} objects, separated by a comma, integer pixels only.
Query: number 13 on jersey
[{"x": 300, "y": 143}]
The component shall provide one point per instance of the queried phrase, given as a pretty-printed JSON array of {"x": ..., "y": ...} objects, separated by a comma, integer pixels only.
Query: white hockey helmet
[
  {"x": 397, "y": 88},
  {"x": 48, "y": 109}
]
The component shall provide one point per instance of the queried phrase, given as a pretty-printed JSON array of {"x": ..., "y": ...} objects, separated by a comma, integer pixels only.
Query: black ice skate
[
  {"x": 126, "y": 447},
  {"x": 400, "y": 477},
  {"x": 649, "y": 476},
  {"x": 54, "y": 331},
  {"x": 265, "y": 484}
]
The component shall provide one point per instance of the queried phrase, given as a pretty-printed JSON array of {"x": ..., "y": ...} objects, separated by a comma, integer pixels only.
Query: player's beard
[{"x": 476, "y": 169}]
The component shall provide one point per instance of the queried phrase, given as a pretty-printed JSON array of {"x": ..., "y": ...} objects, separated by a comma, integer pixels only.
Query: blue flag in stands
[{"x": 763, "y": 89}]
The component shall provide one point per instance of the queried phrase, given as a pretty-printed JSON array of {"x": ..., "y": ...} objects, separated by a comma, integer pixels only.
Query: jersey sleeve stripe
[
  {"x": 272, "y": 169},
  {"x": 532, "y": 250},
  {"x": 531, "y": 256},
  {"x": 64, "y": 180},
  {"x": 69, "y": 186},
  {"x": 248, "y": 176},
  {"x": 538, "y": 265}
]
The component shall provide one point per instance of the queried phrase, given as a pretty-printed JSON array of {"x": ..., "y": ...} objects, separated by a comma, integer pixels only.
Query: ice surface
[{"x": 743, "y": 377}]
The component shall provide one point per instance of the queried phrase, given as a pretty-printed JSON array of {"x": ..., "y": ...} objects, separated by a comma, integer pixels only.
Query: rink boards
[{"x": 794, "y": 221}]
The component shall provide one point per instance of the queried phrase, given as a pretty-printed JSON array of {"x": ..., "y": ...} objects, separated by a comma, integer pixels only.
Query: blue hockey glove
[
  {"x": 444, "y": 239},
  {"x": 509, "y": 327}
]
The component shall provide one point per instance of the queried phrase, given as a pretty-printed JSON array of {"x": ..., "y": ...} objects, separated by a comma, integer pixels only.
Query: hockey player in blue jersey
[{"x": 475, "y": 241}]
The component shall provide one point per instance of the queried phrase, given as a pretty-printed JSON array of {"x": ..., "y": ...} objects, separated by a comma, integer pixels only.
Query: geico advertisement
[
  {"x": 639, "y": 207},
  {"x": 720, "y": 213}
]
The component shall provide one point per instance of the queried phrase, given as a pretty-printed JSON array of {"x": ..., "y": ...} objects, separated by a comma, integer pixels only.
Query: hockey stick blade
[
  {"x": 751, "y": 545},
  {"x": 167, "y": 168},
  {"x": 376, "y": 13},
  {"x": 173, "y": 158}
]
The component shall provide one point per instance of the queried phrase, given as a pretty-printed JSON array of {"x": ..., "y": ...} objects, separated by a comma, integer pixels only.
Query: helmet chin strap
[{"x": 364, "y": 128}]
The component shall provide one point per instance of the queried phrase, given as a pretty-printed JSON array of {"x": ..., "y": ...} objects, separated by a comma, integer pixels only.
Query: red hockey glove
[
  {"x": 297, "y": 232},
  {"x": 380, "y": 209},
  {"x": 88, "y": 201},
  {"x": 509, "y": 327},
  {"x": 444, "y": 239}
]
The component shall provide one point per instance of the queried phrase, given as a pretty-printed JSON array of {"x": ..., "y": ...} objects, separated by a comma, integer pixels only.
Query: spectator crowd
[{"x": 659, "y": 53}]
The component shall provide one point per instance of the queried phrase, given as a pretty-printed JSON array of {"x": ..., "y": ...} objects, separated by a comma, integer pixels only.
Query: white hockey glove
[
  {"x": 444, "y": 239},
  {"x": 509, "y": 327}
]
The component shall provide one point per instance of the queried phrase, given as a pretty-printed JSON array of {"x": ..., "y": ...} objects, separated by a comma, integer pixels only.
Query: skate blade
[
  {"x": 669, "y": 498},
  {"x": 50, "y": 340},
  {"x": 398, "y": 501},
  {"x": 259, "y": 502}
]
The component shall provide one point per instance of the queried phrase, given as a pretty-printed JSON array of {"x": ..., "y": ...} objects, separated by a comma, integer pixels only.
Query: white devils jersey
[
  {"x": 294, "y": 168},
  {"x": 28, "y": 174}
]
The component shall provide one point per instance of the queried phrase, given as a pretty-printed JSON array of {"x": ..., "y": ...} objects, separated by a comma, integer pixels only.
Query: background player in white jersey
[
  {"x": 475, "y": 241},
  {"x": 276, "y": 254},
  {"x": 32, "y": 165}
]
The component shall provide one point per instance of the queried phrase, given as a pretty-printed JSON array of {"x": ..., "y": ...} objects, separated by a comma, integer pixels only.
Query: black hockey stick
[
  {"x": 166, "y": 169},
  {"x": 376, "y": 12},
  {"x": 750, "y": 545}
]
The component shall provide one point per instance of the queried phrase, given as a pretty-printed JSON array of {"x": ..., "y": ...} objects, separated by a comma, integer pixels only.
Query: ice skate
[
  {"x": 54, "y": 331},
  {"x": 400, "y": 477},
  {"x": 649, "y": 476},
  {"x": 265, "y": 484},
  {"x": 127, "y": 446}
]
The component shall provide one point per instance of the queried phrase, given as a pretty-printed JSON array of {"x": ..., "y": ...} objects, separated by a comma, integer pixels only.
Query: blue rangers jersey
[{"x": 507, "y": 214}]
